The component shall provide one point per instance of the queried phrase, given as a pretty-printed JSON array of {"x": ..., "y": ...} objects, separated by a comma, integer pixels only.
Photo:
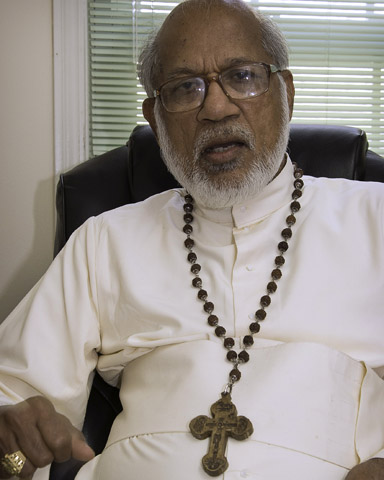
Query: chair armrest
[{"x": 66, "y": 470}]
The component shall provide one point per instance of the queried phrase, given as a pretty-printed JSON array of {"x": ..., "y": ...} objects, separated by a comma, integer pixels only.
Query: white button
[
  {"x": 243, "y": 474},
  {"x": 251, "y": 316},
  {"x": 249, "y": 268},
  {"x": 243, "y": 208}
]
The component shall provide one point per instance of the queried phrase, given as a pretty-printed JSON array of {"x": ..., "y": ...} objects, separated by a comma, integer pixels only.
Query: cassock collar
[{"x": 275, "y": 195}]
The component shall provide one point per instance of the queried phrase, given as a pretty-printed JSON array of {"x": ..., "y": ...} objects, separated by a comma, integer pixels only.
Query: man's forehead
[
  {"x": 207, "y": 16},
  {"x": 192, "y": 43}
]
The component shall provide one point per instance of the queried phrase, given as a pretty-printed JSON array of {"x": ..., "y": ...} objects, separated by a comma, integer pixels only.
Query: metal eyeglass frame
[{"x": 207, "y": 79}]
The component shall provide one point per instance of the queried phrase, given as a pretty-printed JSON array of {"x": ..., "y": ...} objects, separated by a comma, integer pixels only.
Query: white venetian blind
[{"x": 337, "y": 59}]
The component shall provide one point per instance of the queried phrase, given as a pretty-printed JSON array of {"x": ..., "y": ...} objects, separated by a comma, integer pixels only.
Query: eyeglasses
[{"x": 238, "y": 83}]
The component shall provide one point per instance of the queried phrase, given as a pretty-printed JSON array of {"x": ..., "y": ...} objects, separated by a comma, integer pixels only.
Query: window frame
[{"x": 71, "y": 86}]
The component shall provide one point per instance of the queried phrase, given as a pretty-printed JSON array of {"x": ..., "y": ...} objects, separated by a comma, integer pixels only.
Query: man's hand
[
  {"x": 41, "y": 434},
  {"x": 370, "y": 470}
]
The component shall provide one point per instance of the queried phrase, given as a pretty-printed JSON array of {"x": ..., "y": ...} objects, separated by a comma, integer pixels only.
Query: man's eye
[
  {"x": 243, "y": 76},
  {"x": 186, "y": 86}
]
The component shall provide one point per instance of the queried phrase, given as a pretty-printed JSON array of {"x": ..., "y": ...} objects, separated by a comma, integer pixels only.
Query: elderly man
[{"x": 242, "y": 316}]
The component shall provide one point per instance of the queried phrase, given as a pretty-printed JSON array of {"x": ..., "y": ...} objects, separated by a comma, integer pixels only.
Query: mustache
[{"x": 220, "y": 134}]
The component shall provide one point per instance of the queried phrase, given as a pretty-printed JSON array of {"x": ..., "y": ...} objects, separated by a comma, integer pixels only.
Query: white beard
[{"x": 214, "y": 192}]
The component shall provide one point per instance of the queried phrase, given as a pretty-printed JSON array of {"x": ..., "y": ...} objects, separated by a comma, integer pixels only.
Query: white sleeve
[{"x": 49, "y": 343}]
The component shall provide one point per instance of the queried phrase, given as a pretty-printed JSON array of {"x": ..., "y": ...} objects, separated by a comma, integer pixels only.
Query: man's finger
[
  {"x": 28, "y": 469},
  {"x": 34, "y": 447},
  {"x": 56, "y": 431},
  {"x": 41, "y": 434},
  {"x": 80, "y": 449},
  {"x": 63, "y": 439}
]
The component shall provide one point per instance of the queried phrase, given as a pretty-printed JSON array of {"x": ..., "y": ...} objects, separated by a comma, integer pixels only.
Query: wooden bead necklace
[{"x": 224, "y": 421}]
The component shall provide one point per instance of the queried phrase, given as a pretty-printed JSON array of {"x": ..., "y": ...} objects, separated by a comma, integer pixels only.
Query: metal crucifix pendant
[{"x": 223, "y": 424}]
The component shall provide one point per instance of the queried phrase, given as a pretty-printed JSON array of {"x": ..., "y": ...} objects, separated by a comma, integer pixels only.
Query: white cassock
[{"x": 119, "y": 298}]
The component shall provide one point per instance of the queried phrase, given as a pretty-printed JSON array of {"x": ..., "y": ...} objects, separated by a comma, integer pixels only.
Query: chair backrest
[{"x": 135, "y": 171}]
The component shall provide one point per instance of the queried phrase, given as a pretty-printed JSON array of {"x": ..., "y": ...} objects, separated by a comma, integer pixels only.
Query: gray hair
[{"x": 272, "y": 40}]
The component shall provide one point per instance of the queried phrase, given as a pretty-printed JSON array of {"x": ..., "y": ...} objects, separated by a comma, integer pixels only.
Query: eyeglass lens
[{"x": 240, "y": 82}]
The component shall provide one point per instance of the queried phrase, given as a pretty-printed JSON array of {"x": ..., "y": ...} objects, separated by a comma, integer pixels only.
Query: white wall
[{"x": 27, "y": 146}]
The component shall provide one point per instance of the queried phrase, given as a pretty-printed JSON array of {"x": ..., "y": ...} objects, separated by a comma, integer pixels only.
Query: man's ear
[
  {"x": 288, "y": 79},
  {"x": 149, "y": 113}
]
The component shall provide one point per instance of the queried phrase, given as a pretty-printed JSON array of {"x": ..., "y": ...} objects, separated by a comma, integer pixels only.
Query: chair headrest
[{"x": 329, "y": 150}]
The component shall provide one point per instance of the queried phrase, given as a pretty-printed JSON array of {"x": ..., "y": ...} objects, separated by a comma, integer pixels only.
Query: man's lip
[
  {"x": 221, "y": 146},
  {"x": 222, "y": 152}
]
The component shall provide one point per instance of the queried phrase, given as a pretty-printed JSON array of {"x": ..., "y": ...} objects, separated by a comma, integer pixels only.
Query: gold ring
[{"x": 13, "y": 463}]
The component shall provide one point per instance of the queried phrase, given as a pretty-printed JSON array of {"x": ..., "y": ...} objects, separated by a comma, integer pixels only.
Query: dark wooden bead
[
  {"x": 202, "y": 294},
  {"x": 260, "y": 314},
  {"x": 209, "y": 307},
  {"x": 298, "y": 183},
  {"x": 188, "y": 229},
  {"x": 235, "y": 375},
  {"x": 192, "y": 257},
  {"x": 189, "y": 243},
  {"x": 188, "y": 198},
  {"x": 213, "y": 320},
  {"x": 197, "y": 282},
  {"x": 195, "y": 268},
  {"x": 271, "y": 287},
  {"x": 188, "y": 207},
  {"x": 229, "y": 342},
  {"x": 188, "y": 218},
  {"x": 295, "y": 207},
  {"x": 298, "y": 173},
  {"x": 286, "y": 233},
  {"x": 296, "y": 194},
  {"x": 276, "y": 274},
  {"x": 255, "y": 326},
  {"x": 279, "y": 261},
  {"x": 291, "y": 220},
  {"x": 283, "y": 246},
  {"x": 248, "y": 340},
  {"x": 220, "y": 331},
  {"x": 265, "y": 300},
  {"x": 232, "y": 356},
  {"x": 244, "y": 356}
]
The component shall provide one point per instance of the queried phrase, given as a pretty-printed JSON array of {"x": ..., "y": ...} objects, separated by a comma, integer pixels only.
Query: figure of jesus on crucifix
[{"x": 223, "y": 424}]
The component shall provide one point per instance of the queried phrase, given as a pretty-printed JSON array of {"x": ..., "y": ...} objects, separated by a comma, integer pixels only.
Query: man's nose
[{"x": 217, "y": 105}]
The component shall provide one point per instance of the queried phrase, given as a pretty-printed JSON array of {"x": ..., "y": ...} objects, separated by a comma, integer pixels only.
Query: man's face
[{"x": 224, "y": 150}]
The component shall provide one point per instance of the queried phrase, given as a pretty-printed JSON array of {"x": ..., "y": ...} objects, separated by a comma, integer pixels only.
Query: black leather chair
[{"x": 135, "y": 171}]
